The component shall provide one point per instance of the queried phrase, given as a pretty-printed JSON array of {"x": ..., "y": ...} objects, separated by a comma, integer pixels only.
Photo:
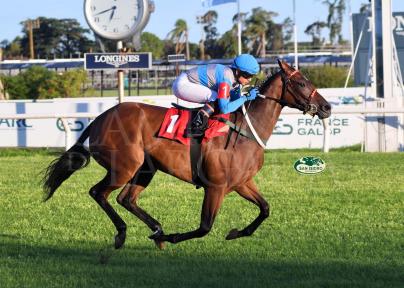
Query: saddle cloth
[{"x": 176, "y": 121}]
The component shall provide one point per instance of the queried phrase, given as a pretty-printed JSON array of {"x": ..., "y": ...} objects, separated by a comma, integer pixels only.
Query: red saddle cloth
[{"x": 175, "y": 124}]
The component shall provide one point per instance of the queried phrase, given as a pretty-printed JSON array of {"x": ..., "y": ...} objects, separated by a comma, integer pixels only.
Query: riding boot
[{"x": 200, "y": 122}]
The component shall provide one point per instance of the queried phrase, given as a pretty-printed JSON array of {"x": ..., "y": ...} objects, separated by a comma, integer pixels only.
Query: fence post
[
  {"x": 326, "y": 139},
  {"x": 68, "y": 133}
]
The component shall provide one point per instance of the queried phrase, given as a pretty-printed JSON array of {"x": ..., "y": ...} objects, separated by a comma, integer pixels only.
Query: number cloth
[{"x": 175, "y": 124}]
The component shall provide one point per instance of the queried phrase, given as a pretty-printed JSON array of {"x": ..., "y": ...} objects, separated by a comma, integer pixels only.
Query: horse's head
[{"x": 298, "y": 92}]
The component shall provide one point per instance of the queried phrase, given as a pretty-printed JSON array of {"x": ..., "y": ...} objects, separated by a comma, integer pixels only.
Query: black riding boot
[{"x": 200, "y": 122}]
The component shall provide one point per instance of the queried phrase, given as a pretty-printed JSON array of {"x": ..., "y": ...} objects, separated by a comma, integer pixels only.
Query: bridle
[{"x": 304, "y": 106}]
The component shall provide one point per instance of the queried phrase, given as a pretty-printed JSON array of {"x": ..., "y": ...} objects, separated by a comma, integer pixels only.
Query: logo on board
[
  {"x": 101, "y": 61},
  {"x": 116, "y": 60},
  {"x": 309, "y": 165}
]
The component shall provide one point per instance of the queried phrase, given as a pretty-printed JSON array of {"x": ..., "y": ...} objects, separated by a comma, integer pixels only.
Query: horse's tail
[{"x": 61, "y": 168}]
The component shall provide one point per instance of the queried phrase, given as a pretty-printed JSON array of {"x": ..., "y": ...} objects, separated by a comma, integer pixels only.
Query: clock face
[{"x": 114, "y": 19}]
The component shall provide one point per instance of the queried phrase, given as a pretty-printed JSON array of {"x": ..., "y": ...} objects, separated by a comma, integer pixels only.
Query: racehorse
[{"x": 123, "y": 140}]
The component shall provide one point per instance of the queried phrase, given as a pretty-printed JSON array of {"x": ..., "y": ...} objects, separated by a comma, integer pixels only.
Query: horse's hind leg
[
  {"x": 250, "y": 192},
  {"x": 211, "y": 204},
  {"x": 130, "y": 193},
  {"x": 100, "y": 193}
]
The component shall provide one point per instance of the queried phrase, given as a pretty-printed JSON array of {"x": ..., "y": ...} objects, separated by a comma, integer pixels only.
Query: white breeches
[{"x": 188, "y": 91}]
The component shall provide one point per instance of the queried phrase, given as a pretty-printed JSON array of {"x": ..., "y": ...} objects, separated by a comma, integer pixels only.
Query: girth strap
[{"x": 236, "y": 128}]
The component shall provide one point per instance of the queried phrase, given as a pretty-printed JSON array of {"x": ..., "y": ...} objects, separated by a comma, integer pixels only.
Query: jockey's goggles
[{"x": 246, "y": 75}]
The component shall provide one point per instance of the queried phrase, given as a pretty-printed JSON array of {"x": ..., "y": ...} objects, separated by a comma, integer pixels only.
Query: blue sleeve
[{"x": 226, "y": 106}]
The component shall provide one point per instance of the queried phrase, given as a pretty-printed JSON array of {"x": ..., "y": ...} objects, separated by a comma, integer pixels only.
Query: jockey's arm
[{"x": 225, "y": 105}]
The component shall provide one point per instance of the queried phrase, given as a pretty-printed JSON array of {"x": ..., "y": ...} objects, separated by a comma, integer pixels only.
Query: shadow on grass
[{"x": 31, "y": 265}]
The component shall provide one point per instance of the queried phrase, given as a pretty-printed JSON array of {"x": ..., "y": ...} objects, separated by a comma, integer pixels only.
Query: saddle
[{"x": 177, "y": 122}]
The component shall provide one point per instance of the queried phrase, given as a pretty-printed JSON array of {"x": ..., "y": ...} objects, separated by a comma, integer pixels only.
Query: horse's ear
[
  {"x": 285, "y": 66},
  {"x": 280, "y": 63}
]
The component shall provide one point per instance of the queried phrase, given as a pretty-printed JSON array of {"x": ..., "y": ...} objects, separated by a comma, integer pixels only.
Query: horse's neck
[{"x": 264, "y": 113}]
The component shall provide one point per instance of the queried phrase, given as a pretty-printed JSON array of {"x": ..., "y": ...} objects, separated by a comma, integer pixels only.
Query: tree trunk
[
  {"x": 187, "y": 44},
  {"x": 264, "y": 45},
  {"x": 202, "y": 48},
  {"x": 3, "y": 94}
]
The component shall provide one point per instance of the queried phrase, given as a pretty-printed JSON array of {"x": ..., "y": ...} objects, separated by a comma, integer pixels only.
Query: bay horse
[{"x": 123, "y": 140}]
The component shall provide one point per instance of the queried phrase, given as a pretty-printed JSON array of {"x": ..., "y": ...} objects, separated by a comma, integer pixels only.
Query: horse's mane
[{"x": 263, "y": 85}]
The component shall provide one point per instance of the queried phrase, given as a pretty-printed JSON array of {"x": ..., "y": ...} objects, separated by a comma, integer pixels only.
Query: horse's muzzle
[
  {"x": 310, "y": 109},
  {"x": 324, "y": 111}
]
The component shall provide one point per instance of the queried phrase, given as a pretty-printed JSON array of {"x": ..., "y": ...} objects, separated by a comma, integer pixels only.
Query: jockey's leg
[{"x": 200, "y": 122}]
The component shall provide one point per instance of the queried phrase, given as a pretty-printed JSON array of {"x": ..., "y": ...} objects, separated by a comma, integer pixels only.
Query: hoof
[
  {"x": 157, "y": 235},
  {"x": 233, "y": 234},
  {"x": 120, "y": 240},
  {"x": 160, "y": 244}
]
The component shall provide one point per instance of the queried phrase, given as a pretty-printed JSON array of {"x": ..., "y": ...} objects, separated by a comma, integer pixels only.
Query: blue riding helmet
[{"x": 246, "y": 63}]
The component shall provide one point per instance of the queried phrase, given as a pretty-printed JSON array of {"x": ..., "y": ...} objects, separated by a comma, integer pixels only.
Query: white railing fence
[{"x": 326, "y": 138}]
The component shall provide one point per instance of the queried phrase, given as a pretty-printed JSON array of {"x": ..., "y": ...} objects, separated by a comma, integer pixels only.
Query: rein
[{"x": 306, "y": 107}]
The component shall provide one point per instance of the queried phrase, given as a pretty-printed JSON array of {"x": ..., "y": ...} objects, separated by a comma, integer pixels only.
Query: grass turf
[{"x": 343, "y": 227}]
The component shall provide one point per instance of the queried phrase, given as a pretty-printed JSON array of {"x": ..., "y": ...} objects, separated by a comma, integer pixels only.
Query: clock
[{"x": 117, "y": 19}]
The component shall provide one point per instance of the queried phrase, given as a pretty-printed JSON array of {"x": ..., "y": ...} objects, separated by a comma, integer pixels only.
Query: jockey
[{"x": 208, "y": 83}]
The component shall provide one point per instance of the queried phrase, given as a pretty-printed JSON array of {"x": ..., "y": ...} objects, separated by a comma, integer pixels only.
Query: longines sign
[{"x": 102, "y": 61}]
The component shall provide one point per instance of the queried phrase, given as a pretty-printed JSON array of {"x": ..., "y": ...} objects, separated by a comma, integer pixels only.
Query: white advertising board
[{"x": 291, "y": 131}]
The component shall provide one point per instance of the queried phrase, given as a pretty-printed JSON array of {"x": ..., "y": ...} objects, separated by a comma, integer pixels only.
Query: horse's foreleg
[
  {"x": 211, "y": 203},
  {"x": 250, "y": 192},
  {"x": 100, "y": 193},
  {"x": 129, "y": 195}
]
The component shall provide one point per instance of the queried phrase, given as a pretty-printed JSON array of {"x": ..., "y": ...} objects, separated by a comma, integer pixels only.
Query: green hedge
[
  {"x": 37, "y": 82},
  {"x": 327, "y": 76}
]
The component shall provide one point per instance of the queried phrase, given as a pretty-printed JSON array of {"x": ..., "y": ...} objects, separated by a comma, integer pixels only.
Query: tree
[
  {"x": 257, "y": 29},
  {"x": 274, "y": 37},
  {"x": 151, "y": 43},
  {"x": 336, "y": 10},
  {"x": 287, "y": 29},
  {"x": 63, "y": 37},
  {"x": 314, "y": 30},
  {"x": 11, "y": 50},
  {"x": 179, "y": 35},
  {"x": 234, "y": 33},
  {"x": 211, "y": 34},
  {"x": 228, "y": 47}
]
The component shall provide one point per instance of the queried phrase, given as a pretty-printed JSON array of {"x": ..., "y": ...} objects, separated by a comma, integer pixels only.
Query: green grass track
[{"x": 341, "y": 228}]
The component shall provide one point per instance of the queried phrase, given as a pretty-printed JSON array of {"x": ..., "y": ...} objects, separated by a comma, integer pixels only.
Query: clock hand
[
  {"x": 112, "y": 13},
  {"x": 105, "y": 11}
]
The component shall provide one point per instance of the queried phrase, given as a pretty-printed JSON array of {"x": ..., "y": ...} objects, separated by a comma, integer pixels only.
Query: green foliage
[
  {"x": 14, "y": 86},
  {"x": 327, "y": 76},
  {"x": 62, "y": 37},
  {"x": 340, "y": 228},
  {"x": 70, "y": 83},
  {"x": 37, "y": 82},
  {"x": 151, "y": 43}
]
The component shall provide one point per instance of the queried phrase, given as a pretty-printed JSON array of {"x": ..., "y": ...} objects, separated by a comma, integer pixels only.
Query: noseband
[{"x": 305, "y": 106}]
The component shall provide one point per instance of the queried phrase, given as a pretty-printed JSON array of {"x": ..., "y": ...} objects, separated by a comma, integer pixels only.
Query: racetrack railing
[{"x": 326, "y": 138}]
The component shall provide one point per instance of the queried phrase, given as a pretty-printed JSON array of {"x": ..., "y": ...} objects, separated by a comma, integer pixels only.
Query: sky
[{"x": 168, "y": 11}]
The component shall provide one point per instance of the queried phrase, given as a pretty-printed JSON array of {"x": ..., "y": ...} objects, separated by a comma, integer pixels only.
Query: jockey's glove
[{"x": 252, "y": 94}]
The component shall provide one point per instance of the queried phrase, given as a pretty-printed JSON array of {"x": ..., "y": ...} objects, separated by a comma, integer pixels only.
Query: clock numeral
[
  {"x": 127, "y": 27},
  {"x": 116, "y": 30},
  {"x": 96, "y": 19},
  {"x": 104, "y": 27},
  {"x": 93, "y": 8}
]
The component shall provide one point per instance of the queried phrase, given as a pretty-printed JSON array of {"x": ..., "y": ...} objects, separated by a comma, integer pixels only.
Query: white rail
[
  {"x": 326, "y": 139},
  {"x": 61, "y": 116}
]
